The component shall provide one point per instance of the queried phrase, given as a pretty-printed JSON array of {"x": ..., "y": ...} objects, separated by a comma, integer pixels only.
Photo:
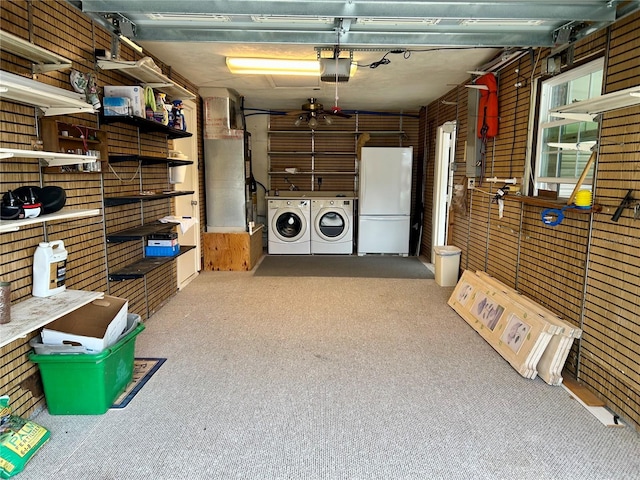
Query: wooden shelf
[
  {"x": 145, "y": 126},
  {"x": 143, "y": 266},
  {"x": 51, "y": 100},
  {"x": 43, "y": 60},
  {"x": 50, "y": 158},
  {"x": 147, "y": 72},
  {"x": 125, "y": 199},
  {"x": 64, "y": 214},
  {"x": 36, "y": 312},
  {"x": 138, "y": 233},
  {"x": 548, "y": 203}
]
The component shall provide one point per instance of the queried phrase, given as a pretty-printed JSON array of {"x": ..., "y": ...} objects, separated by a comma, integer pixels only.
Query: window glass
[{"x": 564, "y": 144}]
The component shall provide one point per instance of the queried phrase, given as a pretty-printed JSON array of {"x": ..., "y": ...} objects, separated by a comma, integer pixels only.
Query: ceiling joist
[{"x": 369, "y": 23}]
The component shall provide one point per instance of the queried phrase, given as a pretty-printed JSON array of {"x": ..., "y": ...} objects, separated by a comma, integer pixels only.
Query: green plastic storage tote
[{"x": 85, "y": 384}]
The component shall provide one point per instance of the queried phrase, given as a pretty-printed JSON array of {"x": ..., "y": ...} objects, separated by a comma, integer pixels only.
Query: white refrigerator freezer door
[
  {"x": 385, "y": 181},
  {"x": 383, "y": 234}
]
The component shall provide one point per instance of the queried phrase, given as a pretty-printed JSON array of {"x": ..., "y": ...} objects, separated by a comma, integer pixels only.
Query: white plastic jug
[{"x": 49, "y": 268}]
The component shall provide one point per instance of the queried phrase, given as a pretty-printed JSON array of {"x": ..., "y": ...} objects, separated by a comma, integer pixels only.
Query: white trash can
[{"x": 447, "y": 264}]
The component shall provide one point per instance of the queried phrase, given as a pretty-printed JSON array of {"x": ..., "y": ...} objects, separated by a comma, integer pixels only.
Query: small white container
[
  {"x": 49, "y": 269},
  {"x": 447, "y": 265},
  {"x": 177, "y": 174}
]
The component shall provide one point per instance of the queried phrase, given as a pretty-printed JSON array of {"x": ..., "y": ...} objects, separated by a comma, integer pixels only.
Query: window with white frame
[{"x": 564, "y": 144}]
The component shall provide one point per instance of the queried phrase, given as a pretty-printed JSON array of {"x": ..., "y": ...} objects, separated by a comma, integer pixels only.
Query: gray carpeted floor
[
  {"x": 368, "y": 266},
  {"x": 317, "y": 378}
]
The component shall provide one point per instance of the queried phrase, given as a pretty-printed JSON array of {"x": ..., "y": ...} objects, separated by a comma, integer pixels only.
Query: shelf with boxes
[
  {"x": 140, "y": 268},
  {"x": 161, "y": 246},
  {"x": 36, "y": 312},
  {"x": 146, "y": 126}
]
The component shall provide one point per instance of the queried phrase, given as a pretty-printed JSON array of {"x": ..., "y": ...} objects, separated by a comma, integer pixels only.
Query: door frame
[{"x": 442, "y": 183}]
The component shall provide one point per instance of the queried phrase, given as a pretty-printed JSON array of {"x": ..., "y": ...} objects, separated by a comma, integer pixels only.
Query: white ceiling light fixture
[
  {"x": 188, "y": 17},
  {"x": 273, "y": 66},
  {"x": 279, "y": 66},
  {"x": 501, "y": 22},
  {"x": 399, "y": 21}
]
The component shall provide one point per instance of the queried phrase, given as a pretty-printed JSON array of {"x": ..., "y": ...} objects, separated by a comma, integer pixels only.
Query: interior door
[
  {"x": 445, "y": 154},
  {"x": 188, "y": 264}
]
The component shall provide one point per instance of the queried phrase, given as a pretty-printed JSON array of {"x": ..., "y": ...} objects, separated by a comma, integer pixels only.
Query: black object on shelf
[
  {"x": 125, "y": 199},
  {"x": 140, "y": 232},
  {"x": 145, "y": 125},
  {"x": 145, "y": 265}
]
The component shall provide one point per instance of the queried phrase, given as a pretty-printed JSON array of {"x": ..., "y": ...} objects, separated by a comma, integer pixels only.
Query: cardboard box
[
  {"x": 95, "y": 326},
  {"x": 114, "y": 106},
  {"x": 135, "y": 94}
]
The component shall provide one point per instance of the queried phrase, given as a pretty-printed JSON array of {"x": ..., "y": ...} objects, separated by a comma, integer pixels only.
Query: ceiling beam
[
  {"x": 348, "y": 39},
  {"x": 553, "y": 10}
]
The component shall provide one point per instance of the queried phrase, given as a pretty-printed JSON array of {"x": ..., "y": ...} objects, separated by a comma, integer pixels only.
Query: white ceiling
[
  {"x": 441, "y": 40},
  {"x": 403, "y": 84}
]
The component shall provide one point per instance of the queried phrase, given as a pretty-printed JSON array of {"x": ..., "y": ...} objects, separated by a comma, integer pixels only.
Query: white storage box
[
  {"x": 114, "y": 106},
  {"x": 95, "y": 326},
  {"x": 162, "y": 243},
  {"x": 135, "y": 94}
]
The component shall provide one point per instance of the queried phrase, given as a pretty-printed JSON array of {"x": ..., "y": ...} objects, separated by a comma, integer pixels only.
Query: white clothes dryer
[
  {"x": 289, "y": 227},
  {"x": 332, "y": 230}
]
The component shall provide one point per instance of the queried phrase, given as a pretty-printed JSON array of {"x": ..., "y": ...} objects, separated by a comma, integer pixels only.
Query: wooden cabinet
[{"x": 75, "y": 139}]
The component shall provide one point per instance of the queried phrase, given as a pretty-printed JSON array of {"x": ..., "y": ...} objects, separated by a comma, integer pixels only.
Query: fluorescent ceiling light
[
  {"x": 189, "y": 17},
  {"x": 277, "y": 66},
  {"x": 291, "y": 19},
  {"x": 501, "y": 22},
  {"x": 399, "y": 21}
]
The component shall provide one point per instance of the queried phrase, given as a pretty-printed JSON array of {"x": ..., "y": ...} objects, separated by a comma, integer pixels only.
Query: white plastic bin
[{"x": 447, "y": 263}]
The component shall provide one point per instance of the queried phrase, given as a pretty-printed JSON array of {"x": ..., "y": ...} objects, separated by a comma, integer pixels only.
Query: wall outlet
[{"x": 471, "y": 183}]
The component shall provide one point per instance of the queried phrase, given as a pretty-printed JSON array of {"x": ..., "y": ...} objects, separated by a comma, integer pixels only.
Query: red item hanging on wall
[{"x": 488, "y": 106}]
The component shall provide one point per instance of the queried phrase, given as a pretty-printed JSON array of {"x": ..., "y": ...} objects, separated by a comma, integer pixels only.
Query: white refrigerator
[{"x": 384, "y": 200}]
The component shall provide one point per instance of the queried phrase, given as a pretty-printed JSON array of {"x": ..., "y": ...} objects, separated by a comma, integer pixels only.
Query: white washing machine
[
  {"x": 332, "y": 230},
  {"x": 289, "y": 228}
]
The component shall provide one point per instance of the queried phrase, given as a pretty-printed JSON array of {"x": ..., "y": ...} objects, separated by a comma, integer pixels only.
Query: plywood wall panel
[{"x": 15, "y": 18}]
